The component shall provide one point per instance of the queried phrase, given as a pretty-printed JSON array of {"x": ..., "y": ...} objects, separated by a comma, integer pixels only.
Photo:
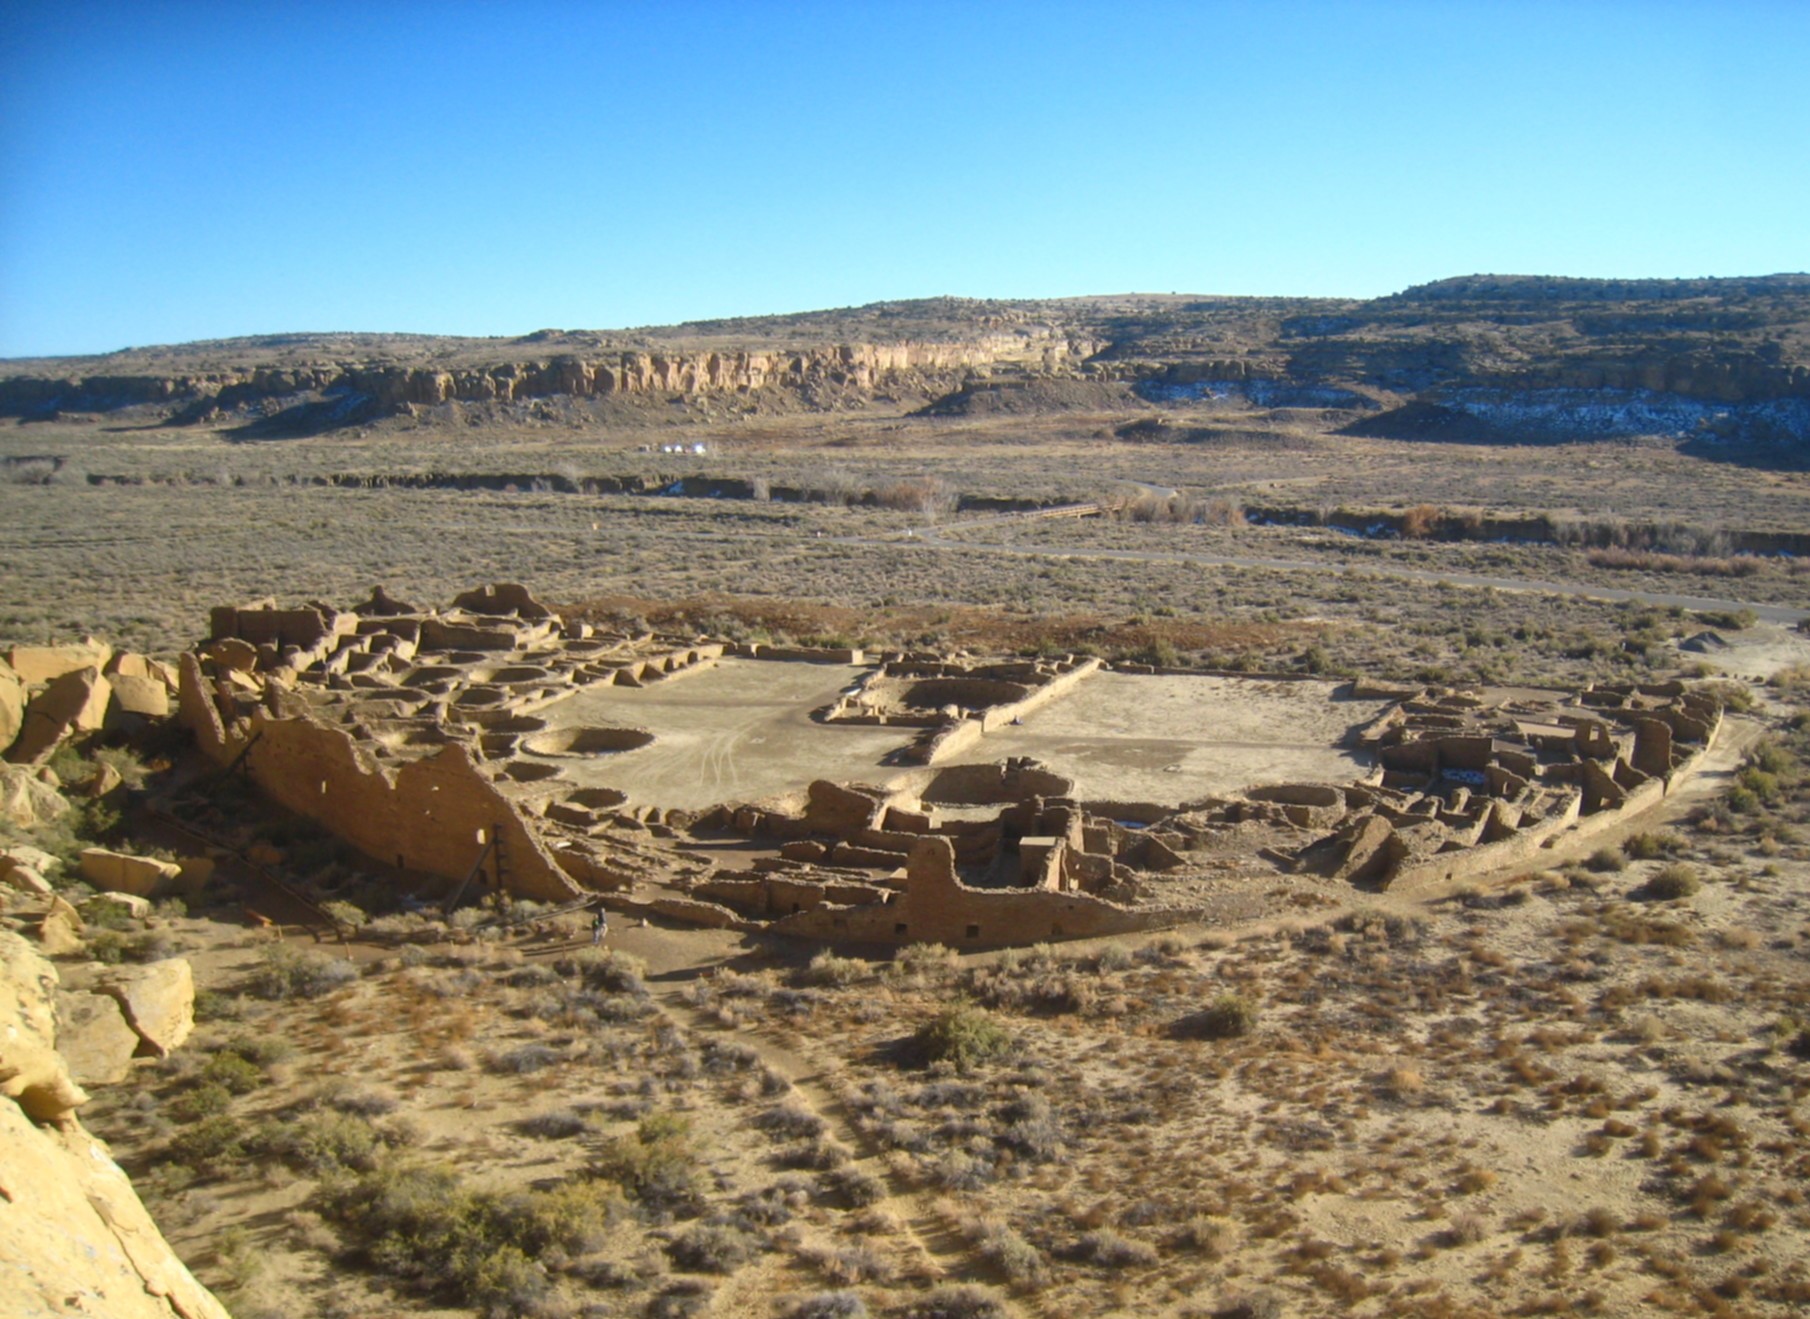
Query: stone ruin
[{"x": 413, "y": 735}]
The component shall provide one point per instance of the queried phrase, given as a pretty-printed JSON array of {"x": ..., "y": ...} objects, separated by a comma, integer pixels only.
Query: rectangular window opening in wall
[
  {"x": 974, "y": 931},
  {"x": 899, "y": 930}
]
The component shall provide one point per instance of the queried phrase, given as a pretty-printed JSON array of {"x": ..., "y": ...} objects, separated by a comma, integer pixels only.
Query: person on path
[{"x": 600, "y": 926}]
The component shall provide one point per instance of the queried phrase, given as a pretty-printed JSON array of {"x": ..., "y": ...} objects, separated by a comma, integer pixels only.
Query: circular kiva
[
  {"x": 586, "y": 741},
  {"x": 527, "y": 771}
]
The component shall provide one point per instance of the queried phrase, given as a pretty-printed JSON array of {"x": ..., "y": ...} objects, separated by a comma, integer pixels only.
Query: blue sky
[{"x": 178, "y": 171}]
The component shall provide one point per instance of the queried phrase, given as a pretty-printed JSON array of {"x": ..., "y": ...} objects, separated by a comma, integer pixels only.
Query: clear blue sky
[{"x": 174, "y": 171}]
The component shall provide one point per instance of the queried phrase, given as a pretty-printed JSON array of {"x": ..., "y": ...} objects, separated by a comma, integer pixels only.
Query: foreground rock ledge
[{"x": 74, "y": 1238}]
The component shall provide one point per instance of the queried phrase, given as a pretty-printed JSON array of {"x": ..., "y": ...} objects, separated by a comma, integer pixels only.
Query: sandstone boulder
[
  {"x": 31, "y": 1071},
  {"x": 74, "y": 1237},
  {"x": 145, "y": 876},
  {"x": 233, "y": 653},
  {"x": 60, "y": 932},
  {"x": 104, "y": 780},
  {"x": 27, "y": 801},
  {"x": 24, "y": 878},
  {"x": 159, "y": 1001},
  {"x": 75, "y": 702},
  {"x": 96, "y": 1041},
  {"x": 33, "y": 858},
  {"x": 129, "y": 664},
  {"x": 137, "y": 701},
  {"x": 12, "y": 705},
  {"x": 36, "y": 664}
]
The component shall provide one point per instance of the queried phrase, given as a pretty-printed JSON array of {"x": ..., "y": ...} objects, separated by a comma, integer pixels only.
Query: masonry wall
[
  {"x": 426, "y": 816},
  {"x": 936, "y": 907}
]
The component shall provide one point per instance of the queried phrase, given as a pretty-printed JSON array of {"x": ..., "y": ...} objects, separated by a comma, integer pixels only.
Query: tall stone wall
[{"x": 434, "y": 815}]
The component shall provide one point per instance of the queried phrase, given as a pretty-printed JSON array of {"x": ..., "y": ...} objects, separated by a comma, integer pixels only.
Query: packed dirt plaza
[{"x": 1130, "y": 806}]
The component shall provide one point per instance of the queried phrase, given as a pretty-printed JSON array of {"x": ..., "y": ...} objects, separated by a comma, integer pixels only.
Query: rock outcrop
[
  {"x": 158, "y": 1000},
  {"x": 73, "y": 702},
  {"x": 144, "y": 876},
  {"x": 74, "y": 1237}
]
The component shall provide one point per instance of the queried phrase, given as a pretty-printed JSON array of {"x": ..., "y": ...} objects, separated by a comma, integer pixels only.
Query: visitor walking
[{"x": 600, "y": 926}]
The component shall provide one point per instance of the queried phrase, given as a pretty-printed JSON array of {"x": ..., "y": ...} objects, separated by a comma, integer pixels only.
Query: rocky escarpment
[
  {"x": 74, "y": 1238},
  {"x": 388, "y": 385},
  {"x": 1482, "y": 357}
]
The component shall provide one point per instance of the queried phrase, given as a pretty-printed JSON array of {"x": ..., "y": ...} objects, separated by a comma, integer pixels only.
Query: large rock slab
[
  {"x": 31, "y": 1071},
  {"x": 26, "y": 800},
  {"x": 12, "y": 705},
  {"x": 74, "y": 1238},
  {"x": 60, "y": 932},
  {"x": 73, "y": 703},
  {"x": 24, "y": 878},
  {"x": 122, "y": 873},
  {"x": 36, "y": 664},
  {"x": 158, "y": 999},
  {"x": 94, "y": 1037},
  {"x": 137, "y": 701}
]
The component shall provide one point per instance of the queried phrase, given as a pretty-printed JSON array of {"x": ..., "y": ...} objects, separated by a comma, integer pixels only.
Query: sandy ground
[
  {"x": 742, "y": 731},
  {"x": 1126, "y": 737},
  {"x": 739, "y": 731}
]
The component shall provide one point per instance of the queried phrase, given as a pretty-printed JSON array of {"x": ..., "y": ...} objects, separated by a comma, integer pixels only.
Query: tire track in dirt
[{"x": 941, "y": 1248}]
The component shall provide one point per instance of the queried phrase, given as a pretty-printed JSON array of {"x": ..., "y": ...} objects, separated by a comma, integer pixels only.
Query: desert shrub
[
  {"x": 925, "y": 960},
  {"x": 357, "y": 1100},
  {"x": 611, "y": 970},
  {"x": 954, "y": 1301},
  {"x": 1226, "y": 1017},
  {"x": 957, "y": 1170},
  {"x": 574, "y": 1217},
  {"x": 1417, "y": 522},
  {"x": 829, "y": 1305},
  {"x": 656, "y": 1164},
  {"x": 323, "y": 1143},
  {"x": 209, "y": 1099},
  {"x": 103, "y": 913},
  {"x": 558, "y": 1124},
  {"x": 710, "y": 1248},
  {"x": 522, "y": 1060},
  {"x": 423, "y": 1225},
  {"x": 961, "y": 1036},
  {"x": 790, "y": 1119},
  {"x": 210, "y": 1143},
  {"x": 857, "y": 1186},
  {"x": 288, "y": 972},
  {"x": 109, "y": 947},
  {"x": 827, "y": 969},
  {"x": 1114, "y": 1250},
  {"x": 1260, "y": 1304},
  {"x": 1022, "y": 1263},
  {"x": 1607, "y": 860},
  {"x": 236, "y": 1073},
  {"x": 264, "y": 1050},
  {"x": 1675, "y": 881},
  {"x": 1651, "y": 846},
  {"x": 1114, "y": 957},
  {"x": 346, "y": 913}
]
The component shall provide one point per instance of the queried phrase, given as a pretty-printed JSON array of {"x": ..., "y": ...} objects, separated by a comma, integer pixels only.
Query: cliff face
[
  {"x": 863, "y": 366},
  {"x": 1738, "y": 345},
  {"x": 74, "y": 1237}
]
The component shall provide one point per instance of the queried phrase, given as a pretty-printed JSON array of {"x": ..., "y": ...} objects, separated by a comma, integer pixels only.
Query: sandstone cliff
[
  {"x": 74, "y": 1238},
  {"x": 861, "y": 366}
]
